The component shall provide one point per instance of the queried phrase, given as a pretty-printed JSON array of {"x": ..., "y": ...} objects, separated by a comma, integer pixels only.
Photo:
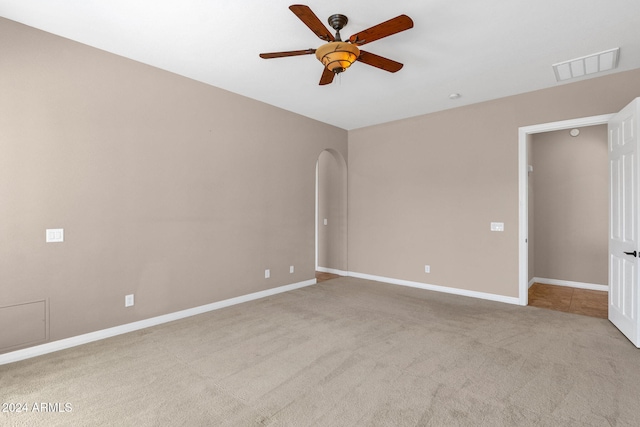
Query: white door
[{"x": 624, "y": 242}]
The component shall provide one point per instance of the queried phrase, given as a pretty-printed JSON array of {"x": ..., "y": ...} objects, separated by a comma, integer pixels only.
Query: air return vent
[
  {"x": 23, "y": 325},
  {"x": 590, "y": 64}
]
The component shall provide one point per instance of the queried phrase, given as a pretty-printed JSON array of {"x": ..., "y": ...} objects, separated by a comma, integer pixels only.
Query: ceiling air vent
[{"x": 590, "y": 64}]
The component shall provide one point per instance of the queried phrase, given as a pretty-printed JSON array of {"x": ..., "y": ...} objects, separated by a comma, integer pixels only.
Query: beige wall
[
  {"x": 570, "y": 183},
  {"x": 425, "y": 190},
  {"x": 175, "y": 191}
]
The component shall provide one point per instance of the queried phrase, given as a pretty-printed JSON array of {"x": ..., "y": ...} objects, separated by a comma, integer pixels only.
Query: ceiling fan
[{"x": 337, "y": 55}]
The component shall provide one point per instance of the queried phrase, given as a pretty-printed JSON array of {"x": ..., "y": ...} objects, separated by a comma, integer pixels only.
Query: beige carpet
[{"x": 344, "y": 352}]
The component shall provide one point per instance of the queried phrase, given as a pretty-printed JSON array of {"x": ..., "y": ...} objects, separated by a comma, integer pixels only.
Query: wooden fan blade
[
  {"x": 310, "y": 19},
  {"x": 387, "y": 28},
  {"x": 289, "y": 53},
  {"x": 379, "y": 62},
  {"x": 327, "y": 76}
]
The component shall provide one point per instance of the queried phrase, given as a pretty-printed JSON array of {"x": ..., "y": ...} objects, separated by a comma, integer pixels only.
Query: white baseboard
[
  {"x": 332, "y": 271},
  {"x": 437, "y": 288},
  {"x": 532, "y": 281},
  {"x": 50, "y": 347},
  {"x": 570, "y": 284}
]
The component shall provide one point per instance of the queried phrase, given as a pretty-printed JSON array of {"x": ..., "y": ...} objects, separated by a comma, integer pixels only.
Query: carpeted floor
[{"x": 345, "y": 352}]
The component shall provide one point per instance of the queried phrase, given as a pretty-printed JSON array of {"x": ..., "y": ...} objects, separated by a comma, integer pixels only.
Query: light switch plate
[
  {"x": 497, "y": 226},
  {"x": 55, "y": 235}
]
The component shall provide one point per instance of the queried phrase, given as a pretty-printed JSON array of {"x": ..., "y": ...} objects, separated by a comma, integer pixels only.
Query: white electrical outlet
[
  {"x": 291, "y": 269},
  {"x": 55, "y": 235},
  {"x": 427, "y": 269},
  {"x": 325, "y": 221},
  {"x": 267, "y": 273},
  {"x": 128, "y": 300}
]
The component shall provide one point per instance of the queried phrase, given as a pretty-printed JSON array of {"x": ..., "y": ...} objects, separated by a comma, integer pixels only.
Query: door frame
[{"x": 523, "y": 190}]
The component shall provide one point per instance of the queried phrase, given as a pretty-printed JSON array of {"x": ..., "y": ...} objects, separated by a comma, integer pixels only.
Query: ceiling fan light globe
[{"x": 337, "y": 56}]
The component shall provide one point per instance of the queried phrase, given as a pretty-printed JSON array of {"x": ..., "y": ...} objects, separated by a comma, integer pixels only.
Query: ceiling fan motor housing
[{"x": 337, "y": 56}]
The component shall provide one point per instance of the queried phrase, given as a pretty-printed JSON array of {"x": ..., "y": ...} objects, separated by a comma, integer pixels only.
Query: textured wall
[
  {"x": 169, "y": 189},
  {"x": 425, "y": 190}
]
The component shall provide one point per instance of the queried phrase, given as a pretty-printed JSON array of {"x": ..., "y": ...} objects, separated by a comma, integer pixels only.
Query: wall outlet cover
[
  {"x": 55, "y": 235},
  {"x": 128, "y": 300}
]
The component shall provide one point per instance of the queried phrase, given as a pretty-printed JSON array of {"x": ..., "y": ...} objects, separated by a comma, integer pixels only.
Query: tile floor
[{"x": 571, "y": 300}]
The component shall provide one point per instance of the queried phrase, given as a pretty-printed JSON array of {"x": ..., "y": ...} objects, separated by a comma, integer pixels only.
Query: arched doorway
[{"x": 331, "y": 213}]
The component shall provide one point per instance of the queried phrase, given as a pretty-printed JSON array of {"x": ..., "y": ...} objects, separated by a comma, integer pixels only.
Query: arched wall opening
[{"x": 331, "y": 213}]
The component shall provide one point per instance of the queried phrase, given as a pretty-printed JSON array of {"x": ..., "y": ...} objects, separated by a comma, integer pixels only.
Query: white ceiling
[{"x": 482, "y": 49}]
